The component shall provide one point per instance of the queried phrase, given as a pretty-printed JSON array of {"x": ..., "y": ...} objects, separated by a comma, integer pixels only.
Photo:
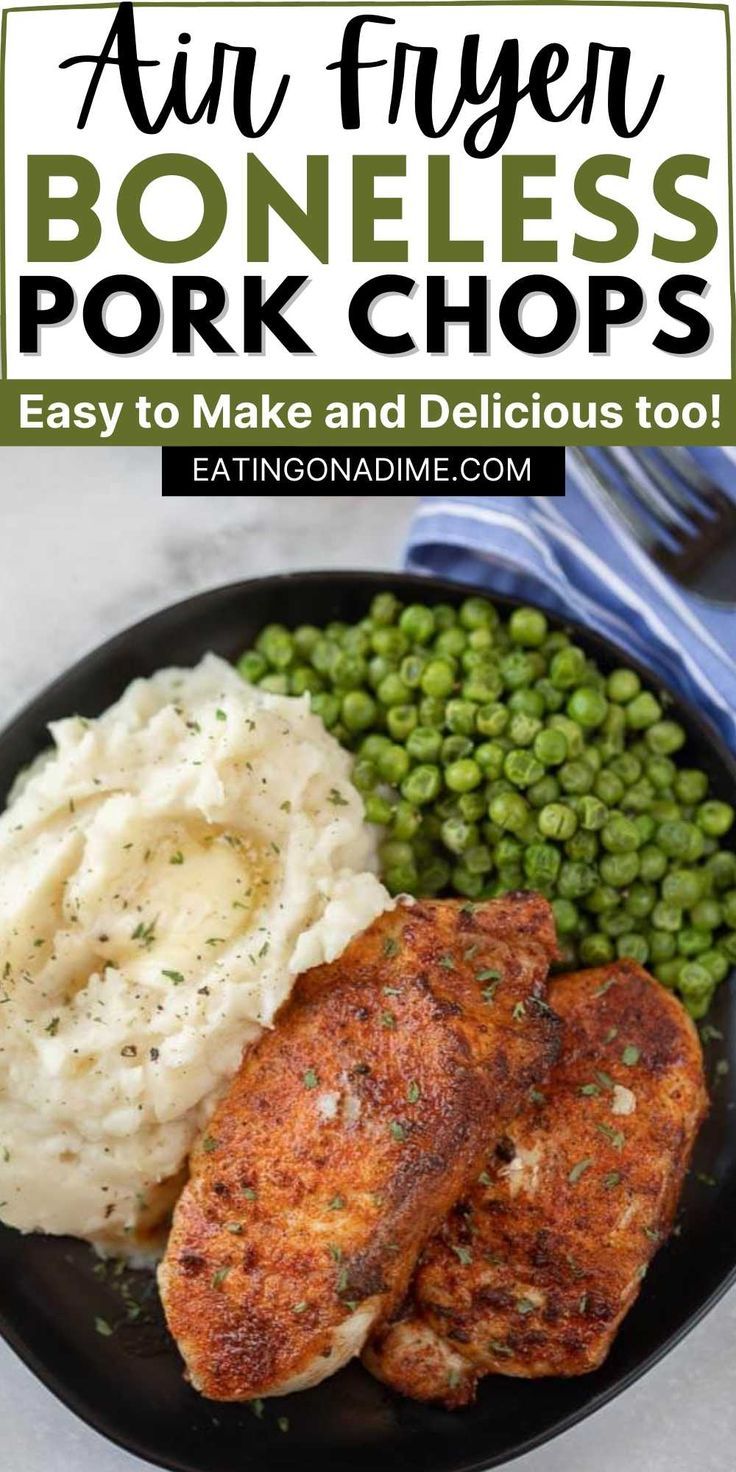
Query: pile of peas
[{"x": 497, "y": 756}]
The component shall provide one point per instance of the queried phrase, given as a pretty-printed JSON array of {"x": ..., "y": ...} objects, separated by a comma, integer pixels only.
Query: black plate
[{"x": 129, "y": 1386}]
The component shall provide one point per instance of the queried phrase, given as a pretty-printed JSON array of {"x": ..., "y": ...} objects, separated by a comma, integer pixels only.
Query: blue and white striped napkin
[{"x": 574, "y": 557}]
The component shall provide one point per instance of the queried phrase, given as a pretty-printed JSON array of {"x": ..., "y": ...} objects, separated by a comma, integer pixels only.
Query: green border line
[{"x": 351, "y": 5}]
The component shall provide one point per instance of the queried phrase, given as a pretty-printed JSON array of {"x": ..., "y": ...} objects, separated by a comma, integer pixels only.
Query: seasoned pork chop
[
  {"x": 534, "y": 1270},
  {"x": 347, "y": 1135}
]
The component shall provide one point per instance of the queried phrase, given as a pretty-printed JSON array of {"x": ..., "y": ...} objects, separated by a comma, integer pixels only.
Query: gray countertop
[{"x": 87, "y": 546}]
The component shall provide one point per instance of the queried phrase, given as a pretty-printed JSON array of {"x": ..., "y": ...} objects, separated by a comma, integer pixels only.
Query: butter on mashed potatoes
[{"x": 165, "y": 873}]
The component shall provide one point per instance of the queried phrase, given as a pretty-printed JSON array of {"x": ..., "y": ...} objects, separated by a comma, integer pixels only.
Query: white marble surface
[{"x": 86, "y": 546}]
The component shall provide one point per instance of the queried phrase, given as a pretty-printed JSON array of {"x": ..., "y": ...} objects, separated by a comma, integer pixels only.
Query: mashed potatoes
[{"x": 164, "y": 875}]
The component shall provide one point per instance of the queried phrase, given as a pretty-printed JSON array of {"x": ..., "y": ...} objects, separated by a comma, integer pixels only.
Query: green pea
[
  {"x": 664, "y": 810},
  {"x": 252, "y": 666},
  {"x": 645, "y": 826},
  {"x": 490, "y": 758},
  {"x": 472, "y": 805},
  {"x": 729, "y": 909},
  {"x": 721, "y": 868},
  {"x": 423, "y": 743},
  {"x": 477, "y": 613},
  {"x": 276, "y": 683},
  {"x": 482, "y": 686},
  {"x": 668, "y": 972},
  {"x": 583, "y": 846},
  {"x": 385, "y": 608},
  {"x": 390, "y": 644},
  {"x": 327, "y": 707},
  {"x": 372, "y": 744},
  {"x": 393, "y": 763},
  {"x": 592, "y": 813},
  {"x": 470, "y": 885},
  {"x": 277, "y": 646},
  {"x": 615, "y": 923},
  {"x": 552, "y": 697},
  {"x": 477, "y": 859},
  {"x": 707, "y": 914},
  {"x": 393, "y": 691},
  {"x": 662, "y": 945},
  {"x": 492, "y": 719},
  {"x": 715, "y": 818},
  {"x": 596, "y": 949},
  {"x": 437, "y": 679},
  {"x": 422, "y": 785},
  {"x": 716, "y": 964},
  {"x": 348, "y": 671},
  {"x": 643, "y": 711},
  {"x": 528, "y": 626},
  {"x": 358, "y": 711},
  {"x": 627, "y": 767},
  {"x": 690, "y": 785},
  {"x": 451, "y": 642},
  {"x": 509, "y": 810},
  {"x": 587, "y": 707},
  {"x": 445, "y": 616},
  {"x": 454, "y": 748},
  {"x": 508, "y": 850},
  {"x": 463, "y": 775},
  {"x": 377, "y": 809},
  {"x": 639, "y": 798},
  {"x": 523, "y": 728},
  {"x": 460, "y": 717},
  {"x": 417, "y": 622},
  {"x": 603, "y": 899},
  {"x": 575, "y": 880},
  {"x": 431, "y": 711},
  {"x": 567, "y": 668},
  {"x": 609, "y": 788},
  {"x": 482, "y": 639},
  {"x": 665, "y": 737},
  {"x": 691, "y": 940},
  {"x": 694, "y": 980},
  {"x": 434, "y": 877},
  {"x": 365, "y": 774},
  {"x": 575, "y": 777},
  {"x": 305, "y": 637},
  {"x": 518, "y": 669},
  {"x": 378, "y": 669},
  {"x": 543, "y": 792},
  {"x": 619, "y": 835},
  {"x": 652, "y": 863},
  {"x": 661, "y": 772},
  {"x": 412, "y": 668},
  {"x": 674, "y": 837},
  {"x": 550, "y": 747},
  {"x": 632, "y": 947},
  {"x": 542, "y": 864},
  {"x": 557, "y": 820},
  {"x": 640, "y": 900},
  {"x": 667, "y": 916},
  {"x": 394, "y": 853},
  {"x": 566, "y": 915},
  {"x": 522, "y": 767},
  {"x": 406, "y": 820},
  {"x": 303, "y": 679},
  {"x": 572, "y": 733},
  {"x": 401, "y": 880},
  {"x": 401, "y": 720},
  {"x": 622, "y": 685},
  {"x": 619, "y": 870}
]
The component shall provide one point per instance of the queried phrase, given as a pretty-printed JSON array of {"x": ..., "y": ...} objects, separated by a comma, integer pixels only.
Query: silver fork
[{"x": 672, "y": 508}]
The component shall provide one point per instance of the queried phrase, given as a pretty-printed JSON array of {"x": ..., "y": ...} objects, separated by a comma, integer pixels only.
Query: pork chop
[
  {"x": 346, "y": 1136},
  {"x": 534, "y": 1270}
]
